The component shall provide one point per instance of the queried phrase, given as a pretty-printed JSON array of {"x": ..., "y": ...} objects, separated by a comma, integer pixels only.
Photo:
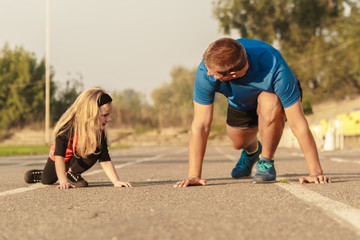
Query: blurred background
[{"x": 145, "y": 53}]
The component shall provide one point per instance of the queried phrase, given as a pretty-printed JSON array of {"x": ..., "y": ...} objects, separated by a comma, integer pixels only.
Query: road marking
[
  {"x": 340, "y": 212},
  {"x": 28, "y": 164},
  {"x": 132, "y": 163},
  {"x": 296, "y": 154},
  {"x": 230, "y": 157},
  {"x": 39, "y": 185},
  {"x": 341, "y": 160},
  {"x": 21, "y": 190}
]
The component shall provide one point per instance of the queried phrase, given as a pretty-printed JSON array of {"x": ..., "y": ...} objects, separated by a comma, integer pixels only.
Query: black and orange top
[{"x": 64, "y": 147}]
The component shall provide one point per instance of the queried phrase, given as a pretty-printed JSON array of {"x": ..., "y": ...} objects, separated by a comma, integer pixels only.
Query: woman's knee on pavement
[{"x": 48, "y": 181}]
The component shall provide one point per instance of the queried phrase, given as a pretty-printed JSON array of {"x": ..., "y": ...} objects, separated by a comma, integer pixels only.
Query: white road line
[
  {"x": 36, "y": 186},
  {"x": 296, "y": 154},
  {"x": 340, "y": 212},
  {"x": 230, "y": 157},
  {"x": 21, "y": 190},
  {"x": 127, "y": 164},
  {"x": 341, "y": 160},
  {"x": 28, "y": 163}
]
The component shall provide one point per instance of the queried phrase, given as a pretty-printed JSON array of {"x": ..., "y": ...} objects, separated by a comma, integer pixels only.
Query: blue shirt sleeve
[
  {"x": 286, "y": 85},
  {"x": 204, "y": 90}
]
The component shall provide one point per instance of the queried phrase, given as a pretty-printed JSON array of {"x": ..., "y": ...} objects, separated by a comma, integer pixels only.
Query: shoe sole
[
  {"x": 264, "y": 182},
  {"x": 28, "y": 177},
  {"x": 245, "y": 177}
]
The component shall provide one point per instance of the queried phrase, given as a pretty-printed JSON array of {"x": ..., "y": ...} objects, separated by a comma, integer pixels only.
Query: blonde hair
[{"x": 81, "y": 120}]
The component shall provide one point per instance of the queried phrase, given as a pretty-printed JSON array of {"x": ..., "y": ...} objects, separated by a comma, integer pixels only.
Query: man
[{"x": 262, "y": 94}]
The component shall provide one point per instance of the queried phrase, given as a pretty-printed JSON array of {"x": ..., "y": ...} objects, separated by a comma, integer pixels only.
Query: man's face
[{"x": 229, "y": 76}]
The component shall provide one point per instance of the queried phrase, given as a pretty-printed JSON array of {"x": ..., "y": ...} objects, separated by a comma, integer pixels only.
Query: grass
[
  {"x": 121, "y": 146},
  {"x": 24, "y": 150},
  {"x": 284, "y": 180},
  {"x": 35, "y": 150}
]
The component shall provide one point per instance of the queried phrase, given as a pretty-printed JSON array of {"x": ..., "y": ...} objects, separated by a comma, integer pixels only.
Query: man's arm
[
  {"x": 300, "y": 129},
  {"x": 200, "y": 129}
]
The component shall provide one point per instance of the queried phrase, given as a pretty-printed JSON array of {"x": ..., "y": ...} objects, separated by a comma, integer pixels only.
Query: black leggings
[{"x": 77, "y": 165}]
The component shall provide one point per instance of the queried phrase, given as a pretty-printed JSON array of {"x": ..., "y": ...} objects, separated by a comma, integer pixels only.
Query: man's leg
[
  {"x": 271, "y": 125},
  {"x": 271, "y": 122},
  {"x": 242, "y": 129},
  {"x": 243, "y": 138}
]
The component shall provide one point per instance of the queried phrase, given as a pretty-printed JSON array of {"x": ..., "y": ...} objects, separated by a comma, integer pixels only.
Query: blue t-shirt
[{"x": 268, "y": 72}]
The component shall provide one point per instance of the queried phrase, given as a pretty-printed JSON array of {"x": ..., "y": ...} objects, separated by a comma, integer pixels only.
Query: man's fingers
[
  {"x": 315, "y": 179},
  {"x": 183, "y": 183},
  {"x": 302, "y": 180},
  {"x": 190, "y": 182},
  {"x": 202, "y": 182}
]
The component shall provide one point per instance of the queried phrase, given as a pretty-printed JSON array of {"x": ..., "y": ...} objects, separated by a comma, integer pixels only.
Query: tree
[
  {"x": 316, "y": 38},
  {"x": 65, "y": 96},
  {"x": 130, "y": 109},
  {"x": 173, "y": 101},
  {"x": 21, "y": 87}
]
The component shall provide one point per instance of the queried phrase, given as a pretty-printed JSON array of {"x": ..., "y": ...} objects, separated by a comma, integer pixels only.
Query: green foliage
[
  {"x": 131, "y": 109},
  {"x": 173, "y": 101},
  {"x": 65, "y": 96},
  {"x": 22, "y": 90},
  {"x": 306, "y": 105},
  {"x": 22, "y": 85},
  {"x": 284, "y": 180},
  {"x": 23, "y": 150},
  {"x": 319, "y": 39}
]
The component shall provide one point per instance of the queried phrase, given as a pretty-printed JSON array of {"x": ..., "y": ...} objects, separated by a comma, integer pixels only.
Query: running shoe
[
  {"x": 265, "y": 172},
  {"x": 245, "y": 164},
  {"x": 33, "y": 176},
  {"x": 76, "y": 179}
]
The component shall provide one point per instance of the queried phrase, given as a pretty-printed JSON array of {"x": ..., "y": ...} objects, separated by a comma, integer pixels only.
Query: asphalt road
[{"x": 153, "y": 209}]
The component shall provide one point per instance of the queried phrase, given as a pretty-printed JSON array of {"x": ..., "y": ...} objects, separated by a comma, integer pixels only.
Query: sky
[{"x": 115, "y": 44}]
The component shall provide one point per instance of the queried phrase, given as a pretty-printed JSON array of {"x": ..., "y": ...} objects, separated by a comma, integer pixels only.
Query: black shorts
[
  {"x": 246, "y": 119},
  {"x": 241, "y": 119}
]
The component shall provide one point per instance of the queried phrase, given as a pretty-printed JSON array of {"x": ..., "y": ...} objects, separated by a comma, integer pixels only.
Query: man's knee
[
  {"x": 237, "y": 145},
  {"x": 269, "y": 108},
  {"x": 242, "y": 138}
]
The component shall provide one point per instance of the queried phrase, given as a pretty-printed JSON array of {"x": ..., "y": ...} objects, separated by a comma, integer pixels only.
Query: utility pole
[{"x": 47, "y": 75}]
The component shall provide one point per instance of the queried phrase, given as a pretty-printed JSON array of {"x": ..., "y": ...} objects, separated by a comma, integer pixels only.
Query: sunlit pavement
[{"x": 153, "y": 209}]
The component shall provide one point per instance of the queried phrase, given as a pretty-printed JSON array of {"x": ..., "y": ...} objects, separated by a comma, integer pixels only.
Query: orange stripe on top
[{"x": 69, "y": 151}]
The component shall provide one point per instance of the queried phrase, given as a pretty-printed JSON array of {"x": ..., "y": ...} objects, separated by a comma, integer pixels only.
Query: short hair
[{"x": 225, "y": 55}]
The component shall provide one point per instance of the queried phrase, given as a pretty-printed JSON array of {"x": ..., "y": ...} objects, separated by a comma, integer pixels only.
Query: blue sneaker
[
  {"x": 265, "y": 172},
  {"x": 244, "y": 165}
]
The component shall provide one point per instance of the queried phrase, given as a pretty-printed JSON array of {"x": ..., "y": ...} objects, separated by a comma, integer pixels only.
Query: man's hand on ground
[
  {"x": 191, "y": 182},
  {"x": 315, "y": 179}
]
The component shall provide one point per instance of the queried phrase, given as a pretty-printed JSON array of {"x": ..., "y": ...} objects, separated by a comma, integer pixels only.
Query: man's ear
[{"x": 232, "y": 74}]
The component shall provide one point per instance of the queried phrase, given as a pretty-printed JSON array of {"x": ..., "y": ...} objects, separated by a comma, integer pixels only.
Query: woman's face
[{"x": 104, "y": 117}]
